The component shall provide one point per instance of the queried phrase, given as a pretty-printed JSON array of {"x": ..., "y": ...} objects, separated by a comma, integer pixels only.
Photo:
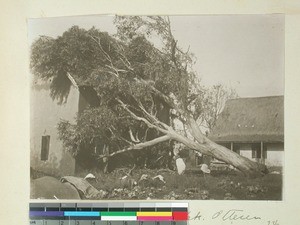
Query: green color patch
[{"x": 117, "y": 213}]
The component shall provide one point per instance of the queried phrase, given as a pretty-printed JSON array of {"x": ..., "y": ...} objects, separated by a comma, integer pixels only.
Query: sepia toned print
[{"x": 156, "y": 107}]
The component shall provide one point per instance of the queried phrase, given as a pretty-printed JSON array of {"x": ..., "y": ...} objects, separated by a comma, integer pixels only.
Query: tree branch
[
  {"x": 107, "y": 56},
  {"x": 153, "y": 118},
  {"x": 149, "y": 124},
  {"x": 138, "y": 146},
  {"x": 161, "y": 95}
]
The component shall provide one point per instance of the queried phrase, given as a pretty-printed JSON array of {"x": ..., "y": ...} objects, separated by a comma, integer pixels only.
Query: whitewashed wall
[
  {"x": 245, "y": 150},
  {"x": 275, "y": 153},
  {"x": 44, "y": 117}
]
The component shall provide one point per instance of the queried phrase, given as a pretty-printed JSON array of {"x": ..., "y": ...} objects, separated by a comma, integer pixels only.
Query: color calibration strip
[{"x": 109, "y": 213}]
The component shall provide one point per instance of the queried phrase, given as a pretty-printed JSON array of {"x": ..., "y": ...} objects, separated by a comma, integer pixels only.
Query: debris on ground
[
  {"x": 253, "y": 190},
  {"x": 204, "y": 194},
  {"x": 169, "y": 185},
  {"x": 127, "y": 182},
  {"x": 84, "y": 187},
  {"x": 205, "y": 169},
  {"x": 229, "y": 196},
  {"x": 89, "y": 176},
  {"x": 144, "y": 180},
  {"x": 171, "y": 196},
  {"x": 159, "y": 179}
]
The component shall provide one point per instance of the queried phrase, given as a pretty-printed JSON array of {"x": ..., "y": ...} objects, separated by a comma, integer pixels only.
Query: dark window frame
[
  {"x": 265, "y": 149},
  {"x": 45, "y": 147},
  {"x": 256, "y": 150}
]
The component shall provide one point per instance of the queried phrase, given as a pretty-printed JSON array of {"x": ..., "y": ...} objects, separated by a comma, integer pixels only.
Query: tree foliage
[
  {"x": 143, "y": 80},
  {"x": 211, "y": 105}
]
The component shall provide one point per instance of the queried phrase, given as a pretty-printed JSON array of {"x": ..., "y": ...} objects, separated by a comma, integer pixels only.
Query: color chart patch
[{"x": 113, "y": 213}]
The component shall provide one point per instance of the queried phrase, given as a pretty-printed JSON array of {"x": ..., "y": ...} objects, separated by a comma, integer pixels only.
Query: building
[
  {"x": 254, "y": 128},
  {"x": 47, "y": 153}
]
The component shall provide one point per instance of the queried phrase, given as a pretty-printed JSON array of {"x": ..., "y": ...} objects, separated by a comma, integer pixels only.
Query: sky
[{"x": 244, "y": 52}]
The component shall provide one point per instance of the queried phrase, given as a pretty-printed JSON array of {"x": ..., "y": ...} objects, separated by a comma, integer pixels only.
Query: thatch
[{"x": 251, "y": 120}]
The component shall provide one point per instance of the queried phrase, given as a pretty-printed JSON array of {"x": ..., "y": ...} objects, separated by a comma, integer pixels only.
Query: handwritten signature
[
  {"x": 227, "y": 215},
  {"x": 233, "y": 214},
  {"x": 198, "y": 216}
]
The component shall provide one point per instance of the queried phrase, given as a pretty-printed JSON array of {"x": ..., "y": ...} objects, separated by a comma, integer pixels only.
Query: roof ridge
[{"x": 271, "y": 96}]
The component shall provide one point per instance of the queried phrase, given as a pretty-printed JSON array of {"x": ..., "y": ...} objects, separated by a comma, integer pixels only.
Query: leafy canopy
[{"x": 142, "y": 67}]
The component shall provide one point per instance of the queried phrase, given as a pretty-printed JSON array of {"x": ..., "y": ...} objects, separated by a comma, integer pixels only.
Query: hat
[{"x": 204, "y": 168}]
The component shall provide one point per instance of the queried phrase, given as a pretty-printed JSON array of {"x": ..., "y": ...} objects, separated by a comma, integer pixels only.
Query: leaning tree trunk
[
  {"x": 245, "y": 165},
  {"x": 206, "y": 147},
  {"x": 248, "y": 167},
  {"x": 201, "y": 144}
]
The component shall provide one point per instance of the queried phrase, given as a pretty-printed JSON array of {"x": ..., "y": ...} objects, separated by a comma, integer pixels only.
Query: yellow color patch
[{"x": 154, "y": 213}]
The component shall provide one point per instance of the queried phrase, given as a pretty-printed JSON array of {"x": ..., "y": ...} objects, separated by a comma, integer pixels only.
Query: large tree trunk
[
  {"x": 201, "y": 144},
  {"x": 245, "y": 165},
  {"x": 208, "y": 147},
  {"x": 248, "y": 167}
]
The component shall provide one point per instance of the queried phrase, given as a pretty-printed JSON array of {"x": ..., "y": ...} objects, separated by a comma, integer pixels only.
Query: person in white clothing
[{"x": 180, "y": 165}]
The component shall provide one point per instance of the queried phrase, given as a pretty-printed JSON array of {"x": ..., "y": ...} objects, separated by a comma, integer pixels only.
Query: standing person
[{"x": 180, "y": 164}]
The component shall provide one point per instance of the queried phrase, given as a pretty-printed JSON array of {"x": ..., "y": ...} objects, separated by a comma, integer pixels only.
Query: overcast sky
[{"x": 245, "y": 52}]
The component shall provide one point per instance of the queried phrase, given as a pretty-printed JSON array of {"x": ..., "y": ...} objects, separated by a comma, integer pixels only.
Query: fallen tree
[{"x": 141, "y": 88}]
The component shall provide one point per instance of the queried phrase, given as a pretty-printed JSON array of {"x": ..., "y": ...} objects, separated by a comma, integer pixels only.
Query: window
[
  {"x": 236, "y": 148},
  {"x": 45, "y": 147},
  {"x": 265, "y": 151},
  {"x": 256, "y": 151}
]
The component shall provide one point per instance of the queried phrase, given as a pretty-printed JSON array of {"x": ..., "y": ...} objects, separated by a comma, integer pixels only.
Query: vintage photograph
[{"x": 157, "y": 107}]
